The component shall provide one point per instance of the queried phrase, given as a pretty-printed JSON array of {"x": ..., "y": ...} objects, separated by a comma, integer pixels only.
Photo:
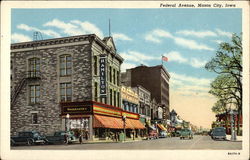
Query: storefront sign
[
  {"x": 78, "y": 109},
  {"x": 103, "y": 90},
  {"x": 105, "y": 111}
]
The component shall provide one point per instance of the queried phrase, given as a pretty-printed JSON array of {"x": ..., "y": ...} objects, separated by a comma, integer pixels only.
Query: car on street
[
  {"x": 186, "y": 133},
  {"x": 61, "y": 137},
  {"x": 28, "y": 138},
  {"x": 163, "y": 134},
  {"x": 153, "y": 134},
  {"x": 218, "y": 133}
]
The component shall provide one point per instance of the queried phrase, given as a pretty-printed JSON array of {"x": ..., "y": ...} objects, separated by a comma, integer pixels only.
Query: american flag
[{"x": 164, "y": 58}]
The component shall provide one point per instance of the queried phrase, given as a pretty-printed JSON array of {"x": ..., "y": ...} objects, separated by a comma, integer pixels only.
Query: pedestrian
[
  {"x": 86, "y": 135},
  {"x": 80, "y": 137}
]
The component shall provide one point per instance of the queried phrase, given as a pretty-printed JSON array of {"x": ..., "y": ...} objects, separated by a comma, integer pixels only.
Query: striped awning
[
  {"x": 162, "y": 127},
  {"x": 116, "y": 123}
]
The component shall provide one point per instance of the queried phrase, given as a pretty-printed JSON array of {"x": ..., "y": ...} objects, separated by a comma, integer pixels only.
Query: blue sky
[{"x": 188, "y": 37}]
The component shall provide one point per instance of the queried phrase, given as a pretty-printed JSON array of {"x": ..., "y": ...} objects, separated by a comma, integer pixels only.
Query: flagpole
[{"x": 161, "y": 60}]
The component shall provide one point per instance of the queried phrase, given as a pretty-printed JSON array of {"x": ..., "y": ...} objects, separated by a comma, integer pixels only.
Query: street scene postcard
[{"x": 125, "y": 80}]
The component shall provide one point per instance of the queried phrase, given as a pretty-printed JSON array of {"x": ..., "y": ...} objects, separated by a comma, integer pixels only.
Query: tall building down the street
[{"x": 155, "y": 79}]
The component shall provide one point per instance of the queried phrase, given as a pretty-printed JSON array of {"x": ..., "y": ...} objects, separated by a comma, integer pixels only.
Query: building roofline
[{"x": 62, "y": 40}]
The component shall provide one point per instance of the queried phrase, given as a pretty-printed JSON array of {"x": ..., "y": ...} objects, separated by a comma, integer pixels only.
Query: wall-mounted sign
[
  {"x": 76, "y": 109},
  {"x": 103, "y": 89}
]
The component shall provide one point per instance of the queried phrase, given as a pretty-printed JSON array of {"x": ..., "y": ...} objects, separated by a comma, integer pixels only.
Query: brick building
[
  {"x": 155, "y": 79},
  {"x": 45, "y": 74}
]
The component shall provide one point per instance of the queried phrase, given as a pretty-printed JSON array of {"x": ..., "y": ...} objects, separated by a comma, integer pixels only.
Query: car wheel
[{"x": 30, "y": 142}]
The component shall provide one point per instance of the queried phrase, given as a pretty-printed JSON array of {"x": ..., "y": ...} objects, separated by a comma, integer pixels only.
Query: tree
[{"x": 227, "y": 86}]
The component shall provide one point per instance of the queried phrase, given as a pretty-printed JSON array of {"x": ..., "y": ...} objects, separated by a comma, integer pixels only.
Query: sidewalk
[
  {"x": 238, "y": 138},
  {"x": 110, "y": 141}
]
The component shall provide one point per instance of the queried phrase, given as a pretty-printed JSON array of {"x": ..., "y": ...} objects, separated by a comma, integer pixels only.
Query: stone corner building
[{"x": 45, "y": 73}]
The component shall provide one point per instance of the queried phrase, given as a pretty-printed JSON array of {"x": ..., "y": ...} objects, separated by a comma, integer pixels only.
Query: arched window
[
  {"x": 65, "y": 65},
  {"x": 34, "y": 67}
]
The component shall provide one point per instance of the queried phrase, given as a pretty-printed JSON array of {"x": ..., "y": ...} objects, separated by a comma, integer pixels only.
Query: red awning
[
  {"x": 107, "y": 122},
  {"x": 134, "y": 124},
  {"x": 162, "y": 127},
  {"x": 116, "y": 123}
]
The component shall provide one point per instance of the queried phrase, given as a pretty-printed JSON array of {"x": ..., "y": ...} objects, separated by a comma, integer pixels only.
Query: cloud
[
  {"x": 16, "y": 37},
  {"x": 125, "y": 66},
  {"x": 217, "y": 41},
  {"x": 191, "y": 44},
  {"x": 224, "y": 33},
  {"x": 190, "y": 86},
  {"x": 138, "y": 57},
  {"x": 120, "y": 36},
  {"x": 197, "y": 63},
  {"x": 200, "y": 34},
  {"x": 191, "y": 80},
  {"x": 75, "y": 27},
  {"x": 88, "y": 27},
  {"x": 67, "y": 28},
  {"x": 45, "y": 32},
  {"x": 175, "y": 56},
  {"x": 156, "y": 35},
  {"x": 150, "y": 37}
]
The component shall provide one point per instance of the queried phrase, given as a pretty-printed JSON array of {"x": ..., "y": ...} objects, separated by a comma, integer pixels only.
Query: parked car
[
  {"x": 61, "y": 137},
  {"x": 153, "y": 134},
  {"x": 28, "y": 138},
  {"x": 218, "y": 133},
  {"x": 163, "y": 134},
  {"x": 186, "y": 133}
]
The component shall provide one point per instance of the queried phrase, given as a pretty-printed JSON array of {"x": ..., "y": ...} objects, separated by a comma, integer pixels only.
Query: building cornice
[{"x": 49, "y": 42}]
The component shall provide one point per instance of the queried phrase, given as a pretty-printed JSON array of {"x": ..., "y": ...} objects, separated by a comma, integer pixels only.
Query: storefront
[{"x": 100, "y": 121}]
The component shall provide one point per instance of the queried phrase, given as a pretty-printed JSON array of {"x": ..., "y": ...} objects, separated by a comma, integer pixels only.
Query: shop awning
[
  {"x": 107, "y": 122},
  {"x": 162, "y": 127},
  {"x": 134, "y": 124},
  {"x": 116, "y": 123}
]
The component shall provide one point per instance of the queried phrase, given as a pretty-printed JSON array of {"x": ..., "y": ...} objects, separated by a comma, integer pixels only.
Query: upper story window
[
  {"x": 95, "y": 65},
  {"x": 65, "y": 92},
  {"x": 34, "y": 94},
  {"x": 34, "y": 67},
  {"x": 65, "y": 65},
  {"x": 110, "y": 74}
]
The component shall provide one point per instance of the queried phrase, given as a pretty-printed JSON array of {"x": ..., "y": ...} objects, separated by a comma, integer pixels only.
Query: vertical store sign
[{"x": 103, "y": 91}]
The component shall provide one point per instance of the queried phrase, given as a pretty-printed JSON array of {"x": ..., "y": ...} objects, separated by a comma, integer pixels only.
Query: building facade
[
  {"x": 130, "y": 99},
  {"x": 155, "y": 79},
  {"x": 48, "y": 73}
]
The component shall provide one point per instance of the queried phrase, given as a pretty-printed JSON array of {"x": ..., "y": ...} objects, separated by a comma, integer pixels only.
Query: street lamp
[
  {"x": 67, "y": 118},
  {"x": 124, "y": 126}
]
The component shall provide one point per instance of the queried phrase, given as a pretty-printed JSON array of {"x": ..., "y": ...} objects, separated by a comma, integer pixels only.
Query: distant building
[
  {"x": 130, "y": 99},
  {"x": 155, "y": 79}
]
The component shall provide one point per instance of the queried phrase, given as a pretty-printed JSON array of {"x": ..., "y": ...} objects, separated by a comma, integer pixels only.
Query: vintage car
[
  {"x": 28, "y": 138},
  {"x": 153, "y": 134},
  {"x": 186, "y": 133},
  {"x": 61, "y": 137},
  {"x": 218, "y": 133},
  {"x": 163, "y": 134}
]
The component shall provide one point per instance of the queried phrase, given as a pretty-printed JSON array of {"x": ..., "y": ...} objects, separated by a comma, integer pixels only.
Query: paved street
[{"x": 199, "y": 142}]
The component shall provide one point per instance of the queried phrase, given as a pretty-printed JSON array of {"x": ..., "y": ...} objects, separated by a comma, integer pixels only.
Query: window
[
  {"x": 114, "y": 77},
  {"x": 95, "y": 65},
  {"x": 34, "y": 119},
  {"x": 96, "y": 94},
  {"x": 114, "y": 98},
  {"x": 34, "y": 67},
  {"x": 65, "y": 65},
  {"x": 110, "y": 96},
  {"x": 118, "y": 99},
  {"x": 110, "y": 74},
  {"x": 65, "y": 92},
  {"x": 117, "y": 77},
  {"x": 34, "y": 94}
]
